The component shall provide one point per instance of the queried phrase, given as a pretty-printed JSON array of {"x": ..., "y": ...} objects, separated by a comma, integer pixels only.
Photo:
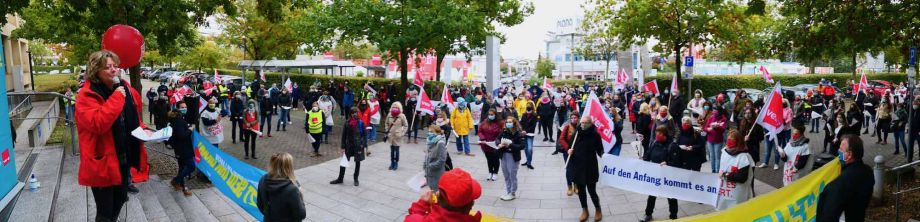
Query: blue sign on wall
[{"x": 8, "y": 179}]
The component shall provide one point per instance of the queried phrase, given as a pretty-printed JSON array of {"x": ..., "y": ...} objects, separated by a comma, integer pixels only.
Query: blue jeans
[
  {"x": 899, "y": 136},
  {"x": 770, "y": 148},
  {"x": 463, "y": 144},
  {"x": 326, "y": 130},
  {"x": 372, "y": 133},
  {"x": 715, "y": 154},
  {"x": 528, "y": 150},
  {"x": 284, "y": 117},
  {"x": 265, "y": 120},
  {"x": 225, "y": 104},
  {"x": 186, "y": 167},
  {"x": 784, "y": 137}
]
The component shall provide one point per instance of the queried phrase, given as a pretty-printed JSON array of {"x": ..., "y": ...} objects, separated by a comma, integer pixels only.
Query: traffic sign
[
  {"x": 688, "y": 61},
  {"x": 912, "y": 61},
  {"x": 688, "y": 73}
]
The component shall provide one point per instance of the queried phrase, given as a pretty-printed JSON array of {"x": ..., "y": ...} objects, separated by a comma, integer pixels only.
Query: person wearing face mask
[
  {"x": 181, "y": 141},
  {"x": 192, "y": 100},
  {"x": 461, "y": 121},
  {"x": 644, "y": 125},
  {"x": 250, "y": 127},
  {"x": 754, "y": 133},
  {"x": 442, "y": 119},
  {"x": 284, "y": 115},
  {"x": 236, "y": 115},
  {"x": 715, "y": 128},
  {"x": 692, "y": 146},
  {"x": 735, "y": 172},
  {"x": 353, "y": 144},
  {"x": 796, "y": 156},
  {"x": 566, "y": 138},
  {"x": 666, "y": 153},
  {"x": 396, "y": 129},
  {"x": 160, "y": 111},
  {"x": 849, "y": 193},
  {"x": 676, "y": 104},
  {"x": 914, "y": 129},
  {"x": 654, "y": 103},
  {"x": 476, "y": 112},
  {"x": 663, "y": 118},
  {"x": 696, "y": 104},
  {"x": 583, "y": 166},
  {"x": 817, "y": 105},
  {"x": 348, "y": 100},
  {"x": 266, "y": 109},
  {"x": 327, "y": 104},
  {"x": 315, "y": 122},
  {"x": 529, "y": 125},
  {"x": 435, "y": 156},
  {"x": 489, "y": 129},
  {"x": 510, "y": 143},
  {"x": 210, "y": 117},
  {"x": 897, "y": 127},
  {"x": 740, "y": 102},
  {"x": 546, "y": 110}
]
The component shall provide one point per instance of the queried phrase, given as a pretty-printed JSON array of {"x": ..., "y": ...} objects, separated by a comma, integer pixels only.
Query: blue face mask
[
  {"x": 491, "y": 117},
  {"x": 842, "y": 156},
  {"x": 183, "y": 111},
  {"x": 706, "y": 107},
  {"x": 509, "y": 125},
  {"x": 432, "y": 138}
]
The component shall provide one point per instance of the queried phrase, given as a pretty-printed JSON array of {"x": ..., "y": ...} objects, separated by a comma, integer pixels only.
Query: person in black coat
[
  {"x": 850, "y": 192},
  {"x": 353, "y": 135},
  {"x": 237, "y": 107},
  {"x": 160, "y": 110},
  {"x": 546, "y": 109},
  {"x": 914, "y": 136},
  {"x": 643, "y": 126},
  {"x": 677, "y": 104},
  {"x": 664, "y": 152},
  {"x": 181, "y": 142},
  {"x": 192, "y": 115},
  {"x": 284, "y": 116},
  {"x": 692, "y": 146},
  {"x": 266, "y": 108},
  {"x": 279, "y": 197},
  {"x": 529, "y": 123},
  {"x": 584, "y": 167}
]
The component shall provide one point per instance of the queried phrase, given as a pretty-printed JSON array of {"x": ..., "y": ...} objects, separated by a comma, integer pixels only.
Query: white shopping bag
[
  {"x": 417, "y": 182},
  {"x": 344, "y": 161},
  {"x": 310, "y": 138},
  {"x": 815, "y": 115}
]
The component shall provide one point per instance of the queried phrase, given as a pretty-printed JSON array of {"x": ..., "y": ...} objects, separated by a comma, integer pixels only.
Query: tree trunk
[
  {"x": 677, "y": 60},
  {"x": 404, "y": 68},
  {"x": 135, "y": 74},
  {"x": 607, "y": 68},
  {"x": 440, "y": 60},
  {"x": 740, "y": 68}
]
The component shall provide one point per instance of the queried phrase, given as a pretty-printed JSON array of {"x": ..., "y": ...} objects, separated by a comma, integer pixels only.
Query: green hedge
[
  {"x": 432, "y": 88},
  {"x": 50, "y": 68},
  {"x": 712, "y": 84}
]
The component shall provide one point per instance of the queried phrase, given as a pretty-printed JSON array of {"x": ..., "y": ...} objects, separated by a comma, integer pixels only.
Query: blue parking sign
[
  {"x": 688, "y": 61},
  {"x": 912, "y": 60}
]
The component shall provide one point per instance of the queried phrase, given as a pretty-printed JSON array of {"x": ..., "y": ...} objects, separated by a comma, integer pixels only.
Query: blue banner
[
  {"x": 8, "y": 179},
  {"x": 236, "y": 179}
]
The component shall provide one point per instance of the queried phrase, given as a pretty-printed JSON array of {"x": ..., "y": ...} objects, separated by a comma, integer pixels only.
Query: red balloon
[{"x": 126, "y": 42}]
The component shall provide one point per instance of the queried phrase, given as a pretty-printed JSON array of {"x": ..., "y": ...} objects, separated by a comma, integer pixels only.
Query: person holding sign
[
  {"x": 510, "y": 143},
  {"x": 489, "y": 130},
  {"x": 583, "y": 166},
  {"x": 250, "y": 128},
  {"x": 566, "y": 138},
  {"x": 666, "y": 153},
  {"x": 735, "y": 171}
]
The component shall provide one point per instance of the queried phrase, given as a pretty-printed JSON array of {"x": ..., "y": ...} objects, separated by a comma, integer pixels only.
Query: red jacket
[
  {"x": 94, "y": 118},
  {"x": 424, "y": 211}
]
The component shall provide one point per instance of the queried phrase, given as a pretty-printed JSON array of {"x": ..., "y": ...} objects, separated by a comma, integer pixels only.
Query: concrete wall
[{"x": 16, "y": 53}]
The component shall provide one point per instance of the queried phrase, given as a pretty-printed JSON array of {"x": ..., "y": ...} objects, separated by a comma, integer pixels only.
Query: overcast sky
[{"x": 526, "y": 40}]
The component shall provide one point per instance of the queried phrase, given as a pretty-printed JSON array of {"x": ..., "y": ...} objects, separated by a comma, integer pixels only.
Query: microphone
[{"x": 116, "y": 82}]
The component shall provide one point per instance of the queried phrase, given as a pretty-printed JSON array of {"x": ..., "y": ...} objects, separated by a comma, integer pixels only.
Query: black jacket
[
  {"x": 280, "y": 200},
  {"x": 517, "y": 144},
  {"x": 697, "y": 154},
  {"x": 266, "y": 107},
  {"x": 284, "y": 99},
  {"x": 664, "y": 152},
  {"x": 353, "y": 140},
  {"x": 529, "y": 122},
  {"x": 583, "y": 165},
  {"x": 236, "y": 108},
  {"x": 546, "y": 110},
  {"x": 160, "y": 108},
  {"x": 181, "y": 139},
  {"x": 848, "y": 194}
]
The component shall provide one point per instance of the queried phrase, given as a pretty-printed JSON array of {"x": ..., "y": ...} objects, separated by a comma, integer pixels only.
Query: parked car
[
  {"x": 165, "y": 76},
  {"x": 752, "y": 94},
  {"x": 789, "y": 93},
  {"x": 806, "y": 87}
]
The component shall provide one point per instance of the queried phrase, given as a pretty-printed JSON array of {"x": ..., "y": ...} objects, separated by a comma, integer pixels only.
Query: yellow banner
[{"x": 796, "y": 202}]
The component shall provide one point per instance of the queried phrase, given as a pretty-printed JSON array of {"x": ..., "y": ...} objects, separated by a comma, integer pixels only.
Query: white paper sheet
[
  {"x": 417, "y": 182},
  {"x": 151, "y": 136}
]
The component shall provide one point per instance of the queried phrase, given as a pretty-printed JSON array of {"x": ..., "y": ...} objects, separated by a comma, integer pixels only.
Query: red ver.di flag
[
  {"x": 446, "y": 99},
  {"x": 652, "y": 86},
  {"x": 602, "y": 121},
  {"x": 418, "y": 80},
  {"x": 771, "y": 116},
  {"x": 424, "y": 103},
  {"x": 766, "y": 75}
]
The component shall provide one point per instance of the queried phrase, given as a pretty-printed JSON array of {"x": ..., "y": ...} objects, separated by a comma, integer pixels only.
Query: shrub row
[{"x": 710, "y": 85}]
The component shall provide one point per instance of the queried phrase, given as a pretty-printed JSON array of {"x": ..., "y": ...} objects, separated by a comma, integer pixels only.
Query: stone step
[
  {"x": 133, "y": 211},
  {"x": 36, "y": 206},
  {"x": 193, "y": 208},
  {"x": 71, "y": 200},
  {"x": 221, "y": 207},
  {"x": 170, "y": 206},
  {"x": 149, "y": 203}
]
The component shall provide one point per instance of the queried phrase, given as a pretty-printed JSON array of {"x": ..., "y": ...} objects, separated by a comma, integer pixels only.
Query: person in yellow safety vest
[
  {"x": 248, "y": 91},
  {"x": 224, "y": 96},
  {"x": 520, "y": 105},
  {"x": 315, "y": 120}
]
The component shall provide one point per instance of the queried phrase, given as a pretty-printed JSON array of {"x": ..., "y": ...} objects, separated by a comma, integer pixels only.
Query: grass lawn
[{"x": 55, "y": 82}]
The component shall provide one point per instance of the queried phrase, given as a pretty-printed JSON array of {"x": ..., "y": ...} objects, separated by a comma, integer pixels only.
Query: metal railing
[
  {"x": 68, "y": 115},
  {"x": 898, "y": 192},
  {"x": 24, "y": 104}
]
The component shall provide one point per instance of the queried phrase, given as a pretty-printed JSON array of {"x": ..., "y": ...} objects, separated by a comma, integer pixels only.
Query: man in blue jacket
[{"x": 348, "y": 100}]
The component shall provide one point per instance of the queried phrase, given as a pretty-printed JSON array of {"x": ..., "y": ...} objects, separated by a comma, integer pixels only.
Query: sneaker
[
  {"x": 762, "y": 165},
  {"x": 506, "y": 197},
  {"x": 775, "y": 167}
]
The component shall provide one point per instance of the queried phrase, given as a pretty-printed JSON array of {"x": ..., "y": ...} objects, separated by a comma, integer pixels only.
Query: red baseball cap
[{"x": 459, "y": 188}]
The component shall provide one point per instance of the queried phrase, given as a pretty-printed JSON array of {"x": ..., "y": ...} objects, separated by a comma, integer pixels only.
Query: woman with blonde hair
[
  {"x": 279, "y": 197},
  {"x": 396, "y": 129},
  {"x": 644, "y": 125},
  {"x": 107, "y": 110}
]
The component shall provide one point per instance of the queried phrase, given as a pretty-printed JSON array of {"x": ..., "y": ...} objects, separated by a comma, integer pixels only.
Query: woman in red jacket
[{"x": 107, "y": 110}]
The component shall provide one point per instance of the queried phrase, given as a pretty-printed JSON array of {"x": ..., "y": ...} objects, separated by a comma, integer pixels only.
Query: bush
[
  {"x": 711, "y": 84},
  {"x": 45, "y": 69},
  {"x": 356, "y": 84},
  {"x": 55, "y": 83}
]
